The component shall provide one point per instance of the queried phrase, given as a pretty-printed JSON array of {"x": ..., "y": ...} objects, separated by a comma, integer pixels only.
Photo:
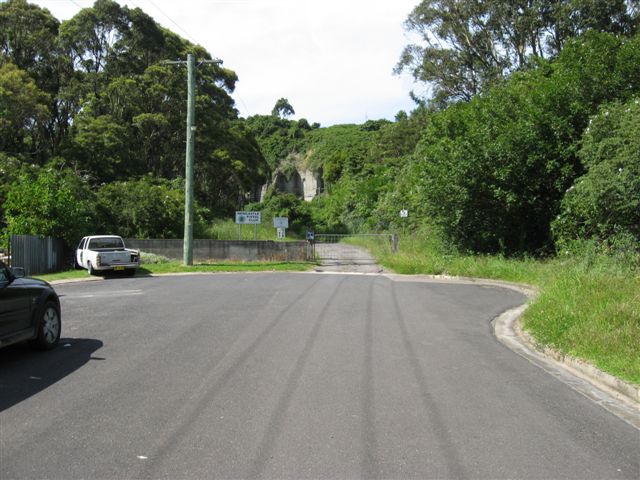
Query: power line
[
  {"x": 174, "y": 22},
  {"x": 76, "y": 4}
]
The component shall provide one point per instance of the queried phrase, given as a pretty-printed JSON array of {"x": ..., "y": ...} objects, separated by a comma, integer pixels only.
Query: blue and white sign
[{"x": 248, "y": 218}]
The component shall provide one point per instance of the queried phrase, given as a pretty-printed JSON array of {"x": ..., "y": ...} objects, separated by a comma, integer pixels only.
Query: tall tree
[
  {"x": 28, "y": 39},
  {"x": 23, "y": 111},
  {"x": 282, "y": 109},
  {"x": 467, "y": 45}
]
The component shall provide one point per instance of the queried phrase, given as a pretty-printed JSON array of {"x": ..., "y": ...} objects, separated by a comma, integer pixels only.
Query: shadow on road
[{"x": 25, "y": 372}]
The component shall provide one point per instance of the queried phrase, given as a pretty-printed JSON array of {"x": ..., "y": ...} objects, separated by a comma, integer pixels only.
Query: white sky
[{"x": 332, "y": 59}]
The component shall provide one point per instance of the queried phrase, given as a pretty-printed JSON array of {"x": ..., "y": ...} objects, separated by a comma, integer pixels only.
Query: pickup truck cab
[{"x": 106, "y": 253}]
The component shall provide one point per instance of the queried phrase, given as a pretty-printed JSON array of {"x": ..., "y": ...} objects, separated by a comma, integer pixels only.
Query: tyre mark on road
[
  {"x": 205, "y": 395},
  {"x": 437, "y": 422},
  {"x": 370, "y": 466},
  {"x": 277, "y": 419}
]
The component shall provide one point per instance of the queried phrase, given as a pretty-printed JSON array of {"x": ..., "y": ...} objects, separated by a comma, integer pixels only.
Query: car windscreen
[{"x": 99, "y": 243}]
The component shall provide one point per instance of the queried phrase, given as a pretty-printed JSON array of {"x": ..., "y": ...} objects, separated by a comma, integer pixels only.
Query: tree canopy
[
  {"x": 282, "y": 109},
  {"x": 93, "y": 96},
  {"x": 465, "y": 45}
]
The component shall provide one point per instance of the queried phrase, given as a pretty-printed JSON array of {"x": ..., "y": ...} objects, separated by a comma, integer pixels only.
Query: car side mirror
[{"x": 18, "y": 272}]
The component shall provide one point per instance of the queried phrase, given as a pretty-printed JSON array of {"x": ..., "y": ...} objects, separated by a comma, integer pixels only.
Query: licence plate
[{"x": 118, "y": 268}]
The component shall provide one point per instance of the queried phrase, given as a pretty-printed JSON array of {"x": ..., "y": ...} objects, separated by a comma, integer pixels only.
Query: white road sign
[
  {"x": 248, "y": 218},
  {"x": 280, "y": 222}
]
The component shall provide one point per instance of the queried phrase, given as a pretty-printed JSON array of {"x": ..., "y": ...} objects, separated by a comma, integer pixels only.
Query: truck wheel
[
  {"x": 130, "y": 272},
  {"x": 90, "y": 269},
  {"x": 49, "y": 328}
]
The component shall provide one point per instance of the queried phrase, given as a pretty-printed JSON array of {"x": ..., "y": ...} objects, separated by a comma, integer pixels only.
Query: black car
[{"x": 29, "y": 310}]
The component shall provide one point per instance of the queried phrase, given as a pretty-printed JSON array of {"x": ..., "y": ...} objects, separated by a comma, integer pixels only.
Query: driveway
[{"x": 342, "y": 257}]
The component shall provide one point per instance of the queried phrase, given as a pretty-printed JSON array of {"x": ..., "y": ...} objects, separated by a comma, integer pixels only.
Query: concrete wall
[{"x": 247, "y": 250}]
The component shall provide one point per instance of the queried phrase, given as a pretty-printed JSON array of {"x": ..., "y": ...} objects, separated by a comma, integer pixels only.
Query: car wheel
[
  {"x": 130, "y": 272},
  {"x": 90, "y": 269},
  {"x": 49, "y": 328}
]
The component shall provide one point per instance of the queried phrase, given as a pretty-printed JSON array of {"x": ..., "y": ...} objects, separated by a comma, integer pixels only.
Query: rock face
[{"x": 304, "y": 184}]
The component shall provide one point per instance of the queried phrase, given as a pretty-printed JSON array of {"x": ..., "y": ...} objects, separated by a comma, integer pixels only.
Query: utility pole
[
  {"x": 187, "y": 257},
  {"x": 188, "y": 186}
]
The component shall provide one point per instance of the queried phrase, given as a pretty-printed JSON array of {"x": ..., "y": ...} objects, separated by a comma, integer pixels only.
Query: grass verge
[
  {"x": 588, "y": 307},
  {"x": 178, "y": 267}
]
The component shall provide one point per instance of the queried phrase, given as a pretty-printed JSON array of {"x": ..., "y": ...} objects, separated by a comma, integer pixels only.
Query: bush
[
  {"x": 494, "y": 171},
  {"x": 605, "y": 202},
  {"x": 50, "y": 202},
  {"x": 153, "y": 259},
  {"x": 144, "y": 208},
  {"x": 285, "y": 205}
]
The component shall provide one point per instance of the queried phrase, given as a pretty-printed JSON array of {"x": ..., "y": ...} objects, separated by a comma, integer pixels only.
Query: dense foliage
[
  {"x": 93, "y": 95},
  {"x": 604, "y": 203},
  {"x": 542, "y": 151},
  {"x": 491, "y": 174},
  {"x": 466, "y": 46}
]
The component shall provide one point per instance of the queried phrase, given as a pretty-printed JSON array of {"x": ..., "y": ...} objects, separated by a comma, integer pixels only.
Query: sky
[{"x": 332, "y": 59}]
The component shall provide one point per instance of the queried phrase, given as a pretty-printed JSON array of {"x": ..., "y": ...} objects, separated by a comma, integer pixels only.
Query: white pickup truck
[{"x": 102, "y": 253}]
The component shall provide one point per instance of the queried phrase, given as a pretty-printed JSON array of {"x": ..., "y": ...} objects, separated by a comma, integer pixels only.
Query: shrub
[
  {"x": 144, "y": 208},
  {"x": 605, "y": 202},
  {"x": 50, "y": 202}
]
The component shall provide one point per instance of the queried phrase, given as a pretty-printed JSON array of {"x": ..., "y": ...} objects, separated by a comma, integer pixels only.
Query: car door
[
  {"x": 80, "y": 251},
  {"x": 15, "y": 305}
]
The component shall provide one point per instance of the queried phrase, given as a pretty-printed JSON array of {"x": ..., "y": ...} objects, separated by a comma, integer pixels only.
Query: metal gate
[{"x": 331, "y": 248}]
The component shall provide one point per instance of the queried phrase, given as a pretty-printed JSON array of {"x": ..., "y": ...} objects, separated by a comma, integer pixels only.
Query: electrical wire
[{"x": 174, "y": 22}]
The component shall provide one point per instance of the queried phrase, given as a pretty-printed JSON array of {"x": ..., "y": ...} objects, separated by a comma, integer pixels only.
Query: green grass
[
  {"x": 178, "y": 267},
  {"x": 588, "y": 305},
  {"x": 226, "y": 266},
  {"x": 228, "y": 230}
]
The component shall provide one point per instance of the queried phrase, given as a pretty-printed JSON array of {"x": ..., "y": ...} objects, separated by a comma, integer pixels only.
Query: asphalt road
[{"x": 294, "y": 376}]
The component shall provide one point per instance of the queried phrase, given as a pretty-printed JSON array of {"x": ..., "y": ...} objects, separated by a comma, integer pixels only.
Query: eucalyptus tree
[
  {"x": 465, "y": 45},
  {"x": 24, "y": 108},
  {"x": 28, "y": 36},
  {"x": 282, "y": 108}
]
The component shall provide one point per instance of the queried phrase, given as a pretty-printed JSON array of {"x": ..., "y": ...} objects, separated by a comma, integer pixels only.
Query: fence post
[{"x": 394, "y": 242}]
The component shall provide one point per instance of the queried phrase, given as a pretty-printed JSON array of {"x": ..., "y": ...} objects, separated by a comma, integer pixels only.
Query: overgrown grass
[
  {"x": 588, "y": 306},
  {"x": 228, "y": 230}
]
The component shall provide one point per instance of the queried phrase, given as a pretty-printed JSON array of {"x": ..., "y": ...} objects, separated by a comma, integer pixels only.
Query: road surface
[{"x": 294, "y": 376}]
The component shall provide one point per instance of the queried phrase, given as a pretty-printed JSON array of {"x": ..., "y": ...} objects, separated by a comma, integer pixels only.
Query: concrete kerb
[{"x": 615, "y": 395}]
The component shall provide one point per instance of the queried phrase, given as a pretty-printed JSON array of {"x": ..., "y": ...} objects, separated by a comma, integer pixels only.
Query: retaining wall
[{"x": 247, "y": 250}]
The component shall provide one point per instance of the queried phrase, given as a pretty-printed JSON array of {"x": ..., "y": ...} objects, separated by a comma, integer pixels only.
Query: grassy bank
[{"x": 588, "y": 307}]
